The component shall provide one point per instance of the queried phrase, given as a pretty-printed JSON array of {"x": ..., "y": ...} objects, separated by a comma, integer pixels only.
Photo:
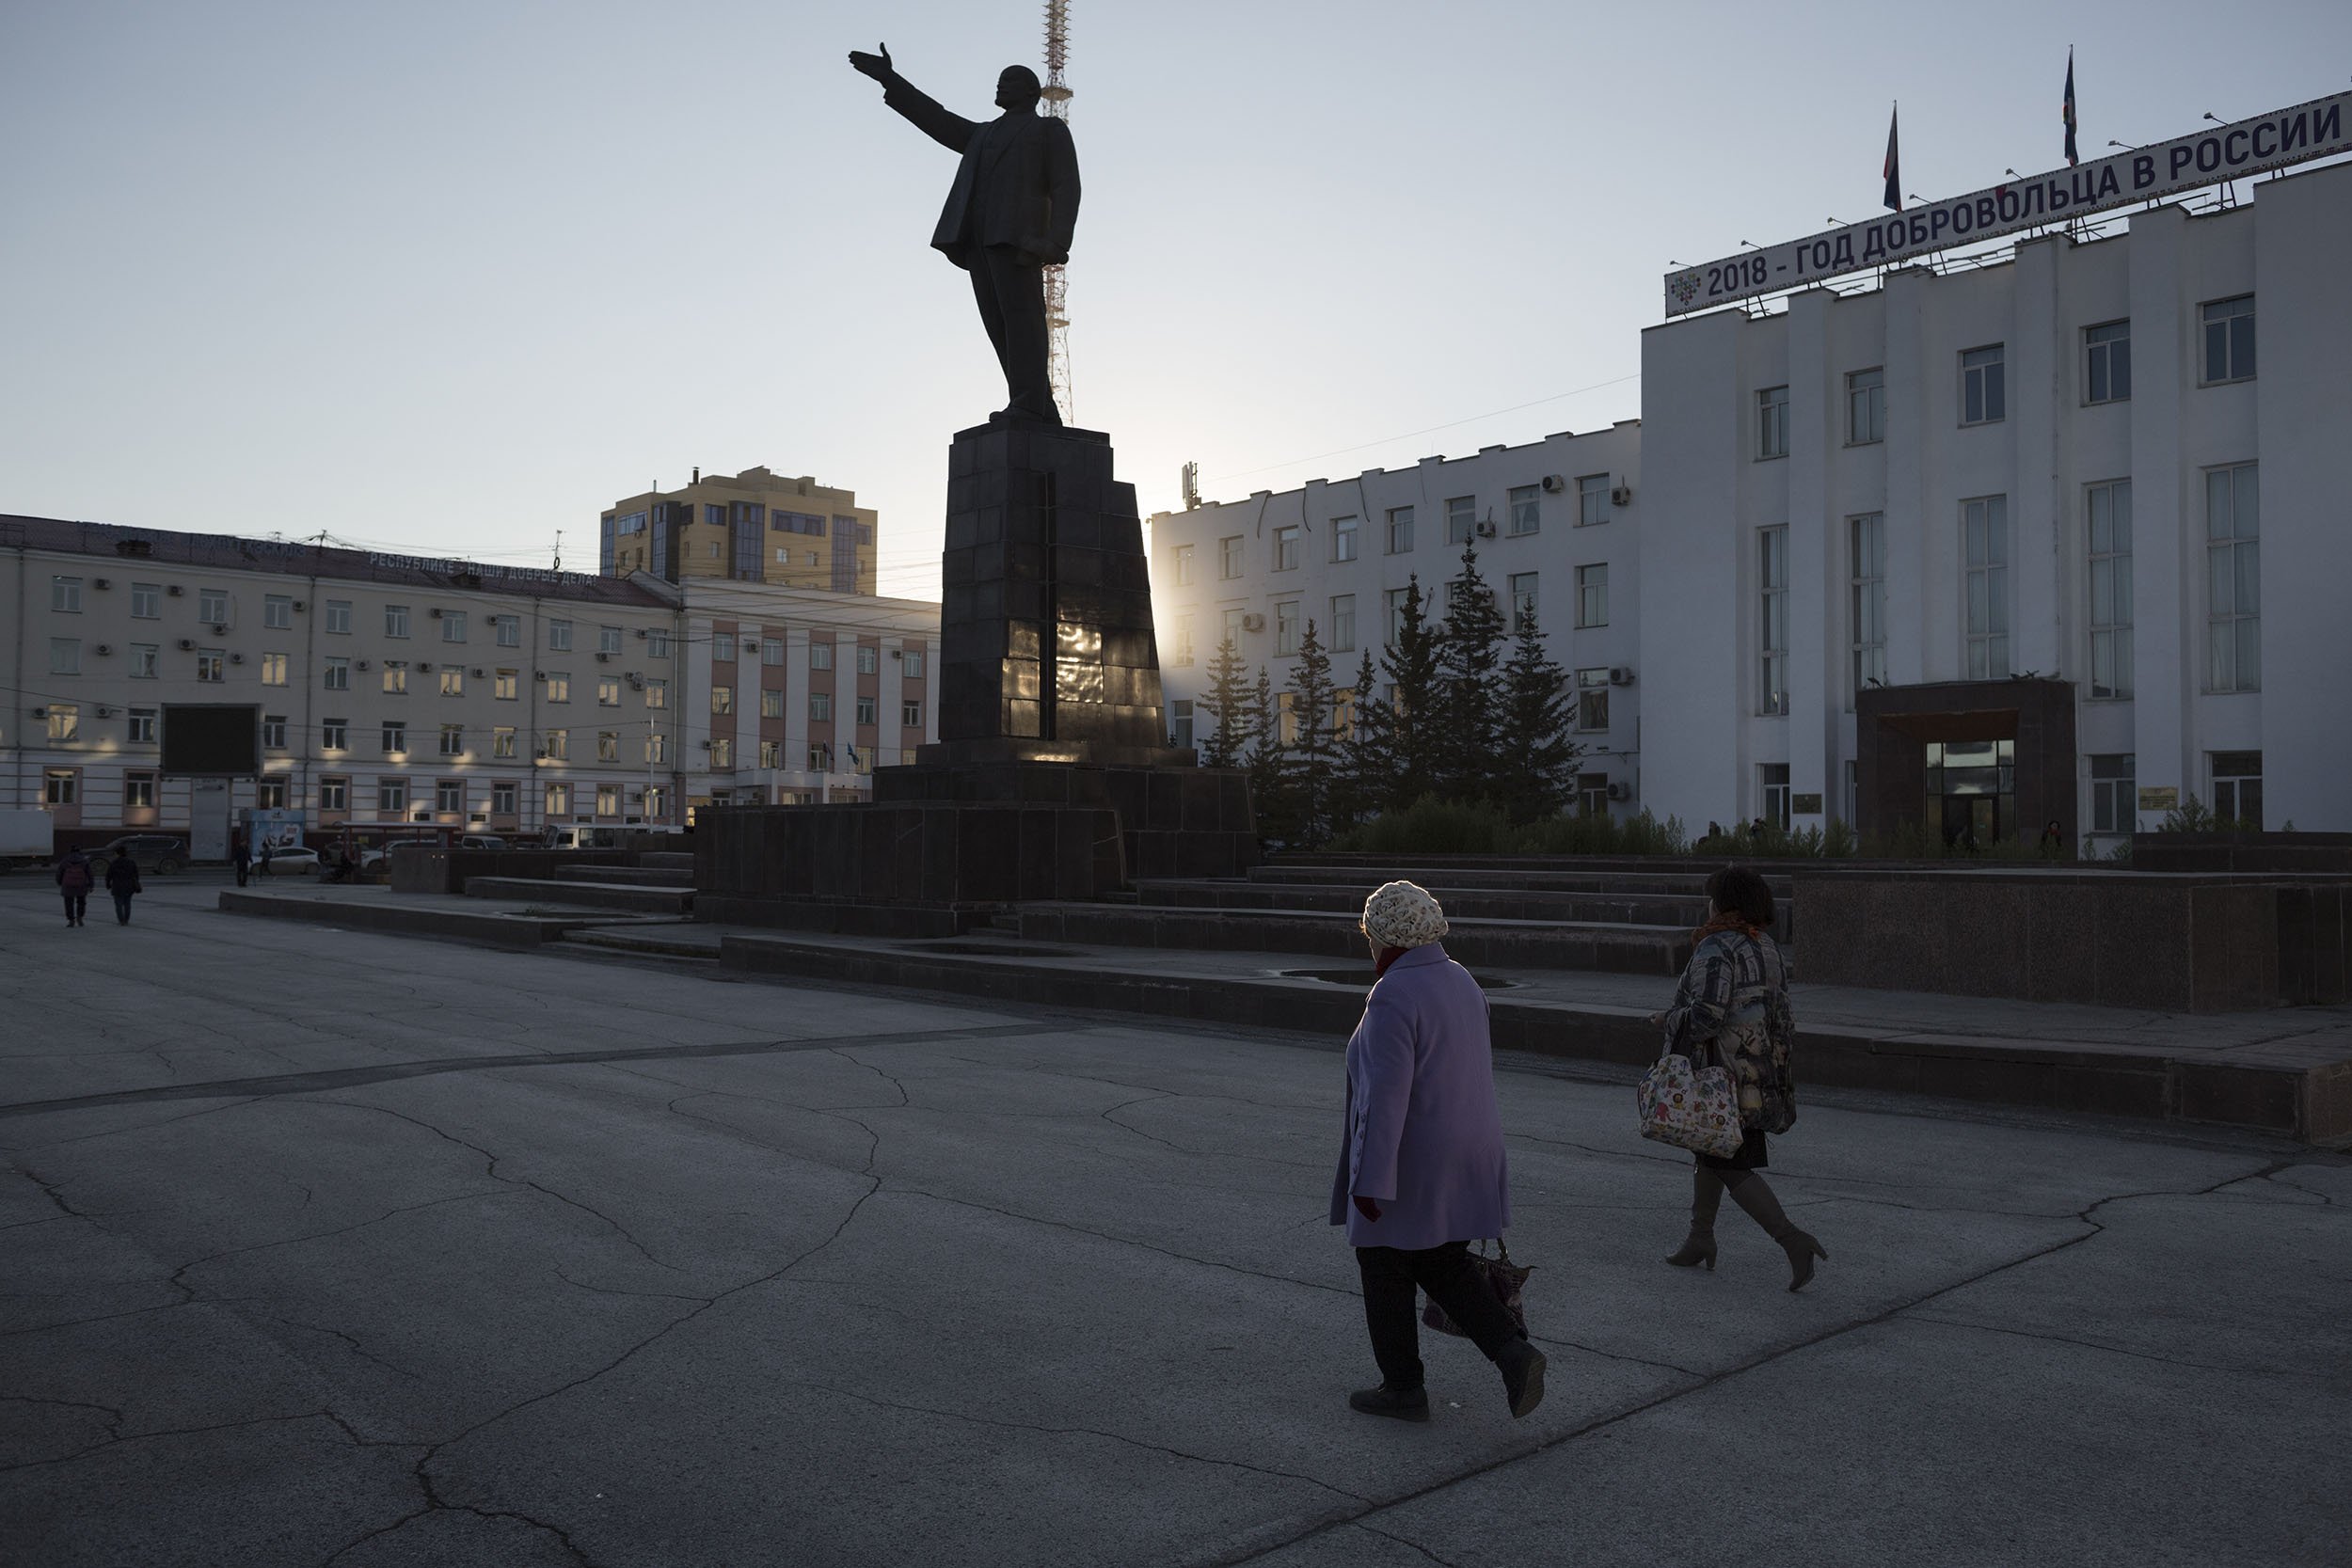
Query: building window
[
  {"x": 1179, "y": 564},
  {"x": 452, "y": 625},
  {"x": 453, "y": 681},
  {"x": 911, "y": 716},
  {"x": 508, "y": 629},
  {"x": 723, "y": 647},
  {"x": 273, "y": 669},
  {"x": 821, "y": 756},
  {"x": 1181, "y": 651},
  {"x": 276, "y": 613},
  {"x": 138, "y": 791},
  {"x": 335, "y": 674},
  {"x": 65, "y": 723},
  {"x": 2237, "y": 788},
  {"x": 1233, "y": 626},
  {"x": 395, "y": 620},
  {"x": 503, "y": 796},
  {"x": 820, "y": 707},
  {"x": 608, "y": 800},
  {"x": 653, "y": 802},
  {"x": 722, "y": 750},
  {"x": 559, "y": 685},
  {"x": 1592, "y": 499},
  {"x": 391, "y": 795},
  {"x": 1229, "y": 557},
  {"x": 1771, "y": 422},
  {"x": 65, "y": 656},
  {"x": 2109, "y": 507},
  {"x": 1865, "y": 406},
  {"x": 395, "y": 737},
  {"x": 560, "y": 636},
  {"x": 772, "y": 650},
  {"x": 2232, "y": 581},
  {"x": 453, "y": 741},
  {"x": 556, "y": 800},
  {"x": 1286, "y": 718},
  {"x": 1286, "y": 547},
  {"x": 1866, "y": 600},
  {"x": 334, "y": 794},
  {"x": 60, "y": 787},
  {"x": 2229, "y": 340},
  {"x": 911, "y": 664},
  {"x": 820, "y": 655},
  {"x": 395, "y": 678},
  {"x": 506, "y": 685},
  {"x": 1461, "y": 518},
  {"x": 1394, "y": 603},
  {"x": 1400, "y": 531},
  {"x": 1592, "y": 699},
  {"x": 1523, "y": 587},
  {"x": 142, "y": 728},
  {"x": 608, "y": 745},
  {"x": 656, "y": 693},
  {"x": 1342, "y": 623},
  {"x": 1286, "y": 626},
  {"x": 608, "y": 691},
  {"x": 502, "y": 743},
  {"x": 865, "y": 711},
  {"x": 1592, "y": 594},
  {"x": 657, "y": 644},
  {"x": 771, "y": 703},
  {"x": 1983, "y": 394},
  {"x": 656, "y": 746},
  {"x": 2108, "y": 362},
  {"x": 723, "y": 698},
  {"x": 143, "y": 660},
  {"x": 211, "y": 665},
  {"x": 146, "y": 601},
  {"x": 449, "y": 796},
  {"x": 2113, "y": 799},
  {"x": 1180, "y": 722},
  {"x": 1343, "y": 535},
  {"x": 274, "y": 732},
  {"x": 868, "y": 660},
  {"x": 334, "y": 734},
  {"x": 212, "y": 606},
  {"x": 608, "y": 640},
  {"x": 1984, "y": 530},
  {"x": 1772, "y": 783},
  {"x": 339, "y": 617},
  {"x": 556, "y": 745},
  {"x": 1772, "y": 619},
  {"x": 1526, "y": 507},
  {"x": 1343, "y": 714}
]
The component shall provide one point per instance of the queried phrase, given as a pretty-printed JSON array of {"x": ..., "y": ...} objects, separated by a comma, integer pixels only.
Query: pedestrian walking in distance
[
  {"x": 74, "y": 880},
  {"x": 240, "y": 856},
  {"x": 1732, "y": 1009},
  {"x": 1421, "y": 1170},
  {"x": 122, "y": 880}
]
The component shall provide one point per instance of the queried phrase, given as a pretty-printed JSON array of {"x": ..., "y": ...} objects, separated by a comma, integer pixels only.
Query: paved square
[{"x": 327, "y": 1247}]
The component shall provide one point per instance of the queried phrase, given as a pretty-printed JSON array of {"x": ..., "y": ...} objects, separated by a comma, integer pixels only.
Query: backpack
[{"x": 75, "y": 877}]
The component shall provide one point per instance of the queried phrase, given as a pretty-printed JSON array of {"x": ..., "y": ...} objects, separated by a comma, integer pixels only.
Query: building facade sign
[{"x": 2320, "y": 128}]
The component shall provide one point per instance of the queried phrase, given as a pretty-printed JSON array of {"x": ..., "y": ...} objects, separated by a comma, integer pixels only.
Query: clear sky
[{"x": 448, "y": 276}]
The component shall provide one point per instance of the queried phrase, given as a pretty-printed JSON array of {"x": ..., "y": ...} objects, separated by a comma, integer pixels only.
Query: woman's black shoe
[{"x": 1405, "y": 1404}]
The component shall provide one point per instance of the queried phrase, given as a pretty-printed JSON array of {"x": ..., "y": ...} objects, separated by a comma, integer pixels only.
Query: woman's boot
[
  {"x": 1751, "y": 1192},
  {"x": 1707, "y": 1191}
]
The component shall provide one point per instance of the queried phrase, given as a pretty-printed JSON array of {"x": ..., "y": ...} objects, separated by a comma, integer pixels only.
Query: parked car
[
  {"x": 377, "y": 857},
  {"x": 289, "y": 860},
  {"x": 481, "y": 841},
  {"x": 157, "y": 852}
]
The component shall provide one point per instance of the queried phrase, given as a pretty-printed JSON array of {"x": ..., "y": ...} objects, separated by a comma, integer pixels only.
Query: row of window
[
  {"x": 2234, "y": 788},
  {"x": 1525, "y": 503},
  {"x": 1338, "y": 634},
  {"x": 771, "y": 651},
  {"x": 61, "y": 786},
  {"x": 277, "y": 612},
  {"x": 2227, "y": 356},
  {"x": 819, "y": 706}
]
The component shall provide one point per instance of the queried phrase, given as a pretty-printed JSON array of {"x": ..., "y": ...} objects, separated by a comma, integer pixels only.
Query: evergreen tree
[
  {"x": 1470, "y": 651},
  {"x": 1310, "y": 764},
  {"x": 1365, "y": 774},
  {"x": 1414, "y": 747},
  {"x": 1228, "y": 701},
  {"x": 1268, "y": 800},
  {"x": 1536, "y": 753}
]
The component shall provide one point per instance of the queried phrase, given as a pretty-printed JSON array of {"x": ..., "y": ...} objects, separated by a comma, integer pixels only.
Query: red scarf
[
  {"x": 1380, "y": 966},
  {"x": 1732, "y": 921}
]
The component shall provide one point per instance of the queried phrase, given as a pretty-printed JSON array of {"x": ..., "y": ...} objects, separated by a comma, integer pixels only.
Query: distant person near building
[
  {"x": 1732, "y": 1009},
  {"x": 75, "y": 880},
  {"x": 2052, "y": 841},
  {"x": 240, "y": 856},
  {"x": 1422, "y": 1171},
  {"x": 122, "y": 880},
  {"x": 267, "y": 849}
]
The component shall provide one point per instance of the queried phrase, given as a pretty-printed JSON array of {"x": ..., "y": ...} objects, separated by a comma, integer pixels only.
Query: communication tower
[{"x": 1056, "y": 95}]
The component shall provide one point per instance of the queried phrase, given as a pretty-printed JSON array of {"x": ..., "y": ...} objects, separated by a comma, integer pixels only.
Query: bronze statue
[{"x": 1009, "y": 217}]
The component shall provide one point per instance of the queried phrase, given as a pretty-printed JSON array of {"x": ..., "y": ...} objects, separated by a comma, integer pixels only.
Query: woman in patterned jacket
[{"x": 1732, "y": 1009}]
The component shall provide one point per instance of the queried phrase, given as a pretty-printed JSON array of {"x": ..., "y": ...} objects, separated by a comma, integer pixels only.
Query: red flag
[{"x": 1893, "y": 169}]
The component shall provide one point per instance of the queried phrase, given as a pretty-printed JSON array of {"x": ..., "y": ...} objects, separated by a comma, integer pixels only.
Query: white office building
[{"x": 1554, "y": 523}]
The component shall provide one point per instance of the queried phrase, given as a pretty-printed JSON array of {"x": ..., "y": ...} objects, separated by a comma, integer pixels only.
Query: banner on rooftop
[{"x": 2320, "y": 128}]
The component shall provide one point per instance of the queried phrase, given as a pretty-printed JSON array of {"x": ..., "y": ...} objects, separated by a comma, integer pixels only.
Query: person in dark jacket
[
  {"x": 122, "y": 880},
  {"x": 75, "y": 880},
  {"x": 240, "y": 856}
]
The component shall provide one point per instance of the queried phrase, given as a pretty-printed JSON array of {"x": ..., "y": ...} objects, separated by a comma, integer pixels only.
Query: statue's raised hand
[{"x": 876, "y": 66}]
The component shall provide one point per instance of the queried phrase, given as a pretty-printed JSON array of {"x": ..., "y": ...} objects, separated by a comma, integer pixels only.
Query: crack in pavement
[{"x": 2111, "y": 1350}]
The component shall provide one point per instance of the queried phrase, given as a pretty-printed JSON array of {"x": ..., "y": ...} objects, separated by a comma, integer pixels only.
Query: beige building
[{"x": 754, "y": 528}]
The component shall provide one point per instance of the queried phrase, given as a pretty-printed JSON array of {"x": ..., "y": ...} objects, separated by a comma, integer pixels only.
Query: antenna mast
[{"x": 1056, "y": 95}]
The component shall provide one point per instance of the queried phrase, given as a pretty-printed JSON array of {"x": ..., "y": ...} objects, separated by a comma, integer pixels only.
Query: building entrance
[{"x": 1972, "y": 790}]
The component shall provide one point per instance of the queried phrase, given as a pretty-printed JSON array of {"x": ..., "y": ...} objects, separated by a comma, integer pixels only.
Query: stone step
[
  {"x": 1601, "y": 909},
  {"x": 668, "y": 860},
  {"x": 628, "y": 876},
  {"x": 595, "y": 895},
  {"x": 1613, "y": 948},
  {"x": 677, "y": 942},
  {"x": 1557, "y": 878}
]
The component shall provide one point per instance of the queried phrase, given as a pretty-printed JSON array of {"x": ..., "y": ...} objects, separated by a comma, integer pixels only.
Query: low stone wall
[
  {"x": 435, "y": 870},
  {"x": 2320, "y": 854},
  {"x": 2120, "y": 939}
]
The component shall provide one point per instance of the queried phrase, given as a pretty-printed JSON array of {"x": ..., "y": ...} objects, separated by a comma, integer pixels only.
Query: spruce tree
[
  {"x": 1310, "y": 764},
  {"x": 1228, "y": 701},
  {"x": 1470, "y": 651},
  {"x": 1415, "y": 749},
  {"x": 1366, "y": 781},
  {"x": 1536, "y": 750},
  {"x": 1269, "y": 801}
]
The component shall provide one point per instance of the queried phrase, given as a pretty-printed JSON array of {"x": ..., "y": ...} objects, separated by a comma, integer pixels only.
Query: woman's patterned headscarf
[{"x": 1399, "y": 914}]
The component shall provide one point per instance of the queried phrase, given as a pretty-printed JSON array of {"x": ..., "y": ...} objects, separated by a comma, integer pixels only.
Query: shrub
[{"x": 1432, "y": 826}]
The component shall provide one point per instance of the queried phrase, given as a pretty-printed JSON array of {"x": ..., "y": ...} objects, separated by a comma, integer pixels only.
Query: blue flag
[{"x": 1893, "y": 169}]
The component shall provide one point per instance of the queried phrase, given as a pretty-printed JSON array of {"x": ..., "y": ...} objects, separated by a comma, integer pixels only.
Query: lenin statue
[{"x": 1008, "y": 215}]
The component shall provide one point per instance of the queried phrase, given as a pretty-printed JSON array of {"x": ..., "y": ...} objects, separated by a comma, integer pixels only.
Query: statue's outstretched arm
[{"x": 951, "y": 130}]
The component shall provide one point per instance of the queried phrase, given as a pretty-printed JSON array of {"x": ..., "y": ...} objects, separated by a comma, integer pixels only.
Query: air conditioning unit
[
  {"x": 539, "y": 674},
  {"x": 101, "y": 582},
  {"x": 105, "y": 647},
  {"x": 187, "y": 644},
  {"x": 480, "y": 674},
  {"x": 1621, "y": 495},
  {"x": 175, "y": 591},
  {"x": 1554, "y": 484},
  {"x": 636, "y": 681},
  {"x": 221, "y": 629},
  {"x": 40, "y": 713},
  {"x": 1621, "y": 792},
  {"x": 300, "y": 607},
  {"x": 425, "y": 665},
  {"x": 705, "y": 745},
  {"x": 1621, "y": 674},
  {"x": 236, "y": 658},
  {"x": 604, "y": 658},
  {"x": 435, "y": 614},
  {"x": 640, "y": 634},
  {"x": 1253, "y": 622},
  {"x": 1485, "y": 528},
  {"x": 106, "y": 713},
  {"x": 363, "y": 664}
]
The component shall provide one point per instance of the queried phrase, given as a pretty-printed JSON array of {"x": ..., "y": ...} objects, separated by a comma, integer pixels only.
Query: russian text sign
[{"x": 2319, "y": 129}]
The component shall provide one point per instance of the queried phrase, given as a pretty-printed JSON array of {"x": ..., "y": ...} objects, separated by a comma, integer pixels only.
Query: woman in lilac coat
[{"x": 1421, "y": 1170}]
